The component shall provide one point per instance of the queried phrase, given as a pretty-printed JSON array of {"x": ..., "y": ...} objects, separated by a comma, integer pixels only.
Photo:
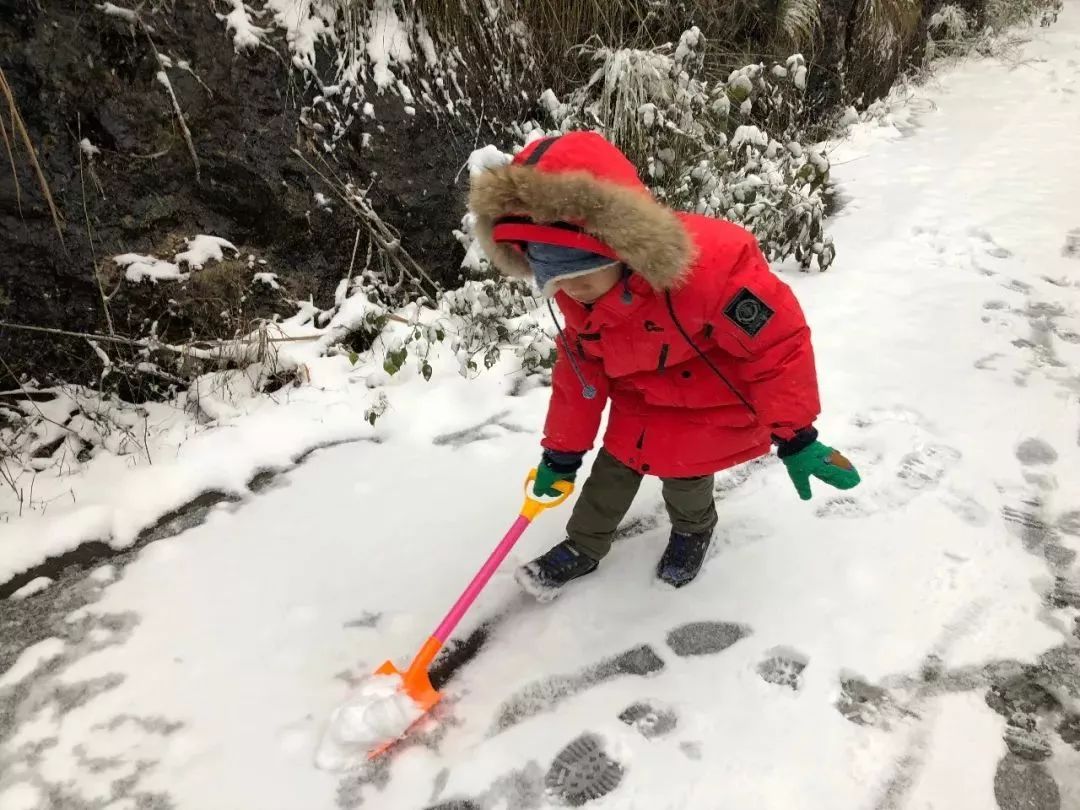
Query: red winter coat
[{"x": 671, "y": 415}]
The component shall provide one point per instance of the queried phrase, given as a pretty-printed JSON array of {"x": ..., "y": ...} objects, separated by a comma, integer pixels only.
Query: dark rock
[
  {"x": 77, "y": 73},
  {"x": 1029, "y": 745},
  {"x": 1023, "y": 721},
  {"x": 1020, "y": 695},
  {"x": 1059, "y": 668},
  {"x": 1069, "y": 729}
]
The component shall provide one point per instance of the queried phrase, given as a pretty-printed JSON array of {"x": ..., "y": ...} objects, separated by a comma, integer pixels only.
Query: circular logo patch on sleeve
[{"x": 748, "y": 312}]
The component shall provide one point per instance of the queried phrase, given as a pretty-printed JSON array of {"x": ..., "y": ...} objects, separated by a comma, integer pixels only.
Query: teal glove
[
  {"x": 822, "y": 462},
  {"x": 547, "y": 475}
]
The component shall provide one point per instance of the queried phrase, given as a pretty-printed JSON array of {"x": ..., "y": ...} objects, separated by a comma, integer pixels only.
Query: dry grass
[
  {"x": 797, "y": 24},
  {"x": 888, "y": 25},
  {"x": 18, "y": 127}
]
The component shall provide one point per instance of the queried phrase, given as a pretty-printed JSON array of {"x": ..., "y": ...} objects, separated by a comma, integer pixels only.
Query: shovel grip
[{"x": 534, "y": 506}]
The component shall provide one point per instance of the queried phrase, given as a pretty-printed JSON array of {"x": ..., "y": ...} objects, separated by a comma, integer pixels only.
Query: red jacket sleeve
[
  {"x": 572, "y": 420},
  {"x": 759, "y": 321}
]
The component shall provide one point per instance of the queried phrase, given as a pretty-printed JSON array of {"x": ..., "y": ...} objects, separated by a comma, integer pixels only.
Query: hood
[{"x": 578, "y": 190}]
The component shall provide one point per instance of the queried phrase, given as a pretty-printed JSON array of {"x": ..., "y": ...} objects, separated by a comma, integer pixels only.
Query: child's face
[{"x": 592, "y": 286}]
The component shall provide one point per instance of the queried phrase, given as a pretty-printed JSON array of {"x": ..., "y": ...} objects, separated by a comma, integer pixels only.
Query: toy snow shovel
[{"x": 415, "y": 680}]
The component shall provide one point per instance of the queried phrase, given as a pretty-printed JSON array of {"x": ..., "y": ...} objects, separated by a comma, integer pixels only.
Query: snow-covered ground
[{"x": 862, "y": 650}]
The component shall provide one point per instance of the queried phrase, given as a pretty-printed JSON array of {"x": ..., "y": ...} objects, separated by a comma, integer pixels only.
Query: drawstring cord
[
  {"x": 627, "y": 296},
  {"x": 587, "y": 391},
  {"x": 701, "y": 354}
]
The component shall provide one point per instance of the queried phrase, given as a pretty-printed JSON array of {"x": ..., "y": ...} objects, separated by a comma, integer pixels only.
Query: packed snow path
[{"x": 914, "y": 643}]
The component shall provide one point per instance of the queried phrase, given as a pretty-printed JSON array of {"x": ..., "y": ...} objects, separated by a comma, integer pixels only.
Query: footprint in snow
[
  {"x": 1069, "y": 523},
  {"x": 918, "y": 472},
  {"x": 651, "y": 719},
  {"x": 1066, "y": 591},
  {"x": 1033, "y": 451},
  {"x": 705, "y": 638},
  {"x": 843, "y": 506},
  {"x": 877, "y": 416},
  {"x": 367, "y": 620},
  {"x": 691, "y": 749},
  {"x": 982, "y": 240},
  {"x": 1071, "y": 248},
  {"x": 582, "y": 772},
  {"x": 546, "y": 694},
  {"x": 1028, "y": 523},
  {"x": 924, "y": 468},
  {"x": 491, "y": 428},
  {"x": 965, "y": 507},
  {"x": 734, "y": 536},
  {"x": 864, "y": 704},
  {"x": 1016, "y": 285},
  {"x": 783, "y": 667}
]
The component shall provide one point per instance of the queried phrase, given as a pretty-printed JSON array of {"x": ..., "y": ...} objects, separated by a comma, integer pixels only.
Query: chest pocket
[{"x": 590, "y": 345}]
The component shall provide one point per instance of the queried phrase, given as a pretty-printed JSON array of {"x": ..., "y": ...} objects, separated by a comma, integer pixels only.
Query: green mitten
[
  {"x": 546, "y": 476},
  {"x": 820, "y": 461}
]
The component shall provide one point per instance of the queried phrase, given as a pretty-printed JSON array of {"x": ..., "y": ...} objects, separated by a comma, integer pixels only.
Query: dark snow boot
[
  {"x": 683, "y": 558},
  {"x": 544, "y": 576}
]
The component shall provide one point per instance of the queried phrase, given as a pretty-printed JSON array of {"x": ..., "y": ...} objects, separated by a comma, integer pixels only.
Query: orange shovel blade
[{"x": 417, "y": 685}]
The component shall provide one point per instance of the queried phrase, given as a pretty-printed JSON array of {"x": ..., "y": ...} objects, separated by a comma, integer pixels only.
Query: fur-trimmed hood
[{"x": 578, "y": 182}]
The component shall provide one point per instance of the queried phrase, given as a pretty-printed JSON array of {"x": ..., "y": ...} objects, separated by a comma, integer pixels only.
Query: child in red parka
[{"x": 675, "y": 319}]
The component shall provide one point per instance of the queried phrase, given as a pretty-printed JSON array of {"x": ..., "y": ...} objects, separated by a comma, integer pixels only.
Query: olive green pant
[{"x": 610, "y": 489}]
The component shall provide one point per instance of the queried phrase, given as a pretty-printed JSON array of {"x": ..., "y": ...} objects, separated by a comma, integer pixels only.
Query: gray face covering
[{"x": 551, "y": 263}]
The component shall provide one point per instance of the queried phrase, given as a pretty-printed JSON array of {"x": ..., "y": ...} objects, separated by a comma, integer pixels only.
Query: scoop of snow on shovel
[{"x": 377, "y": 712}]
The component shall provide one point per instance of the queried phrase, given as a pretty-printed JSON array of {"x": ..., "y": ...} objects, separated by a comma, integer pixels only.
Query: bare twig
[
  {"x": 19, "y": 126},
  {"x": 30, "y": 399},
  {"x": 163, "y": 79},
  {"x": 200, "y": 348},
  {"x": 11, "y": 157},
  {"x": 152, "y": 155},
  {"x": 352, "y": 261},
  {"x": 389, "y": 241},
  {"x": 90, "y": 235}
]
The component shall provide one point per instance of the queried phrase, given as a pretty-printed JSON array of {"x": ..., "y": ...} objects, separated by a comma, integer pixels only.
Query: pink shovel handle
[
  {"x": 464, "y": 602},
  {"x": 531, "y": 509}
]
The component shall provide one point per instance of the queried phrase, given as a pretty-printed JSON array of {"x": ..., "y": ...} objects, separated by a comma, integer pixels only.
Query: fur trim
[{"x": 645, "y": 234}]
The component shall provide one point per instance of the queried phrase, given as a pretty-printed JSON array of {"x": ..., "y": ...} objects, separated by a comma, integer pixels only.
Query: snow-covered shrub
[
  {"x": 954, "y": 32},
  {"x": 62, "y": 428},
  {"x": 950, "y": 22},
  {"x": 1002, "y": 14},
  {"x": 951, "y": 30},
  {"x": 494, "y": 315},
  {"x": 733, "y": 149}
]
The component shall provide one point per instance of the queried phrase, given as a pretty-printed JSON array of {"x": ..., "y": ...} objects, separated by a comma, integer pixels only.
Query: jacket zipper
[{"x": 663, "y": 357}]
